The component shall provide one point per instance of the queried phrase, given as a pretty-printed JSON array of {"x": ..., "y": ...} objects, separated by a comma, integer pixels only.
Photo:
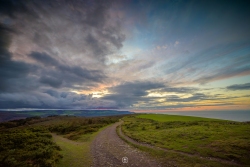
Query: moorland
[
  {"x": 169, "y": 139},
  {"x": 50, "y": 141},
  {"x": 186, "y": 138}
]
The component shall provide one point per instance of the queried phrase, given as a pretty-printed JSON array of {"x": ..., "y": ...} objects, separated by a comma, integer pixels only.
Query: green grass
[
  {"x": 167, "y": 118},
  {"x": 75, "y": 153},
  {"x": 202, "y": 136},
  {"x": 176, "y": 159}
]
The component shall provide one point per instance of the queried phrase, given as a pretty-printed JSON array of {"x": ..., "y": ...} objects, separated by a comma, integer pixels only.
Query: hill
[{"x": 15, "y": 115}]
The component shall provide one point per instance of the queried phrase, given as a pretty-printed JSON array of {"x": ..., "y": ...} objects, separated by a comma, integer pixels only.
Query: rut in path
[{"x": 108, "y": 150}]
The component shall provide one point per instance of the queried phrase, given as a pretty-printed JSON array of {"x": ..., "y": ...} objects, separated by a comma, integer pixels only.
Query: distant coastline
[{"x": 240, "y": 115}]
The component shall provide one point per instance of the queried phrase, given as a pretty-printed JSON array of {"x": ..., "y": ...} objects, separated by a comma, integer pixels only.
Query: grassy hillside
[
  {"x": 168, "y": 118},
  {"x": 51, "y": 141},
  {"x": 205, "y": 137}
]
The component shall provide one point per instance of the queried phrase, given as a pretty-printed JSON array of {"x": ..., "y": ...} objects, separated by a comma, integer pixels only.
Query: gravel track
[{"x": 108, "y": 149}]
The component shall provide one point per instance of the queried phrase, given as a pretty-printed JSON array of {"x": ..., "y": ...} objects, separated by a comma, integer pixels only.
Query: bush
[
  {"x": 28, "y": 147},
  {"x": 80, "y": 126}
]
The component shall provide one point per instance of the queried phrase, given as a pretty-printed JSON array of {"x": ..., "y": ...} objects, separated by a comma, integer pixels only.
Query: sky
[{"x": 176, "y": 55}]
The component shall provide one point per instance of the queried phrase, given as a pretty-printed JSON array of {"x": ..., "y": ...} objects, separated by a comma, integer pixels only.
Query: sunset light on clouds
[{"x": 139, "y": 55}]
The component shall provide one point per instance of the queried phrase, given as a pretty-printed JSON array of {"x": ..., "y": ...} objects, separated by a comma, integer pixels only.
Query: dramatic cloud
[
  {"x": 245, "y": 86},
  {"x": 178, "y": 89},
  {"x": 51, "y": 99},
  {"x": 124, "y": 54},
  {"x": 81, "y": 73},
  {"x": 53, "y": 82},
  {"x": 39, "y": 40},
  {"x": 44, "y": 58},
  {"x": 194, "y": 97},
  {"x": 138, "y": 93},
  {"x": 129, "y": 93},
  {"x": 135, "y": 88},
  {"x": 11, "y": 71}
]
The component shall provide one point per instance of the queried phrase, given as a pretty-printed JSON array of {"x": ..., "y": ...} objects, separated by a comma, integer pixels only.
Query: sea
[{"x": 239, "y": 115}]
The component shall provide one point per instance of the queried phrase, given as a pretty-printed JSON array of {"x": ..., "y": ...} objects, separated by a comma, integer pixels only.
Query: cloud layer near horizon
[{"x": 112, "y": 54}]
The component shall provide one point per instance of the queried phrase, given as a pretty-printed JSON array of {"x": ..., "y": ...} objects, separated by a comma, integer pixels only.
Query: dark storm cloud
[
  {"x": 4, "y": 44},
  {"x": 45, "y": 99},
  {"x": 83, "y": 27},
  {"x": 138, "y": 88},
  {"x": 12, "y": 72},
  {"x": 194, "y": 97},
  {"x": 130, "y": 93},
  {"x": 62, "y": 31},
  {"x": 245, "y": 86},
  {"x": 53, "y": 82},
  {"x": 178, "y": 89},
  {"x": 92, "y": 75},
  {"x": 44, "y": 58},
  {"x": 83, "y": 74},
  {"x": 13, "y": 7}
]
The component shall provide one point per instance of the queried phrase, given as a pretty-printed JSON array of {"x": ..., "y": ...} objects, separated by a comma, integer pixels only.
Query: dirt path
[{"x": 108, "y": 150}]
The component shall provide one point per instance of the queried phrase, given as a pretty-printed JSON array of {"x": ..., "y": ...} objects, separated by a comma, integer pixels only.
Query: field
[
  {"x": 51, "y": 141},
  {"x": 225, "y": 140}
]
